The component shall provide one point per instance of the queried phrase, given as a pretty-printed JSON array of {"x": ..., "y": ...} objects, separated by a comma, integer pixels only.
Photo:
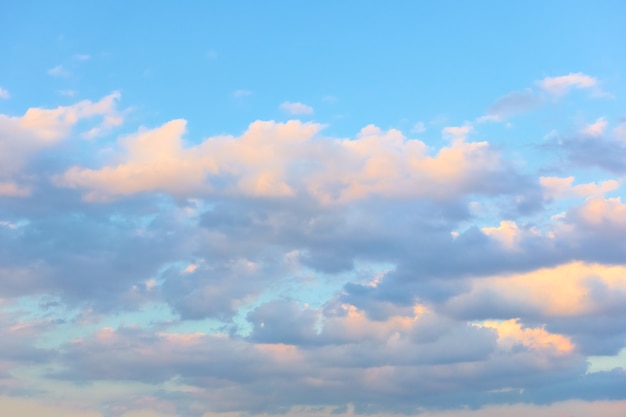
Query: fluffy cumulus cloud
[
  {"x": 146, "y": 270},
  {"x": 292, "y": 159},
  {"x": 24, "y": 137}
]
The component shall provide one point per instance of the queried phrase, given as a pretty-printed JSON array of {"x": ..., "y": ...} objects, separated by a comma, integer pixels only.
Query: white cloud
[
  {"x": 67, "y": 93},
  {"x": 561, "y": 85},
  {"x": 296, "y": 108},
  {"x": 58, "y": 71},
  {"x": 419, "y": 127},
  {"x": 82, "y": 57},
  {"x": 4, "y": 94},
  {"x": 241, "y": 93}
]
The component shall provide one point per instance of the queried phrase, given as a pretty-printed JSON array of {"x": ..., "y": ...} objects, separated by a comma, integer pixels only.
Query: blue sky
[{"x": 248, "y": 208}]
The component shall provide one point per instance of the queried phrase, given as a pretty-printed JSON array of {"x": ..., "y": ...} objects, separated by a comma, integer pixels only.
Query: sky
[{"x": 245, "y": 208}]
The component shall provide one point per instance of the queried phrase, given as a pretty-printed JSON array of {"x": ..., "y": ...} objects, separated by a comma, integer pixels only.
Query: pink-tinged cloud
[
  {"x": 38, "y": 129},
  {"x": 151, "y": 406},
  {"x": 348, "y": 357},
  {"x": 595, "y": 129},
  {"x": 512, "y": 332},
  {"x": 507, "y": 234},
  {"x": 562, "y": 291},
  {"x": 558, "y": 187},
  {"x": 600, "y": 213},
  {"x": 457, "y": 133},
  {"x": 562, "y": 84},
  {"x": 288, "y": 159},
  {"x": 12, "y": 189}
]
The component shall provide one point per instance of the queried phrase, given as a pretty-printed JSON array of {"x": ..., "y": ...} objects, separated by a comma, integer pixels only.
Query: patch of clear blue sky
[{"x": 387, "y": 63}]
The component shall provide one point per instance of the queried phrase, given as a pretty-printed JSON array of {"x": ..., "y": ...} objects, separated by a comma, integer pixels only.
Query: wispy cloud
[
  {"x": 457, "y": 133},
  {"x": 82, "y": 57},
  {"x": 296, "y": 108},
  {"x": 67, "y": 93},
  {"x": 242, "y": 93},
  {"x": 58, "y": 71},
  {"x": 510, "y": 105},
  {"x": 419, "y": 127},
  {"x": 558, "y": 86},
  {"x": 4, "y": 94}
]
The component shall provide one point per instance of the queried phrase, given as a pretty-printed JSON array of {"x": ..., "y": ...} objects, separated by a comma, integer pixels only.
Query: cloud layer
[{"x": 289, "y": 270}]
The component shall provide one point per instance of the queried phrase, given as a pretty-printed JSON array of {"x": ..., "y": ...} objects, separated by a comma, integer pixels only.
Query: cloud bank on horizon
[{"x": 255, "y": 215}]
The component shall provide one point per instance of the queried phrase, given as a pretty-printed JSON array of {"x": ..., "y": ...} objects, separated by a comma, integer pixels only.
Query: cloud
[
  {"x": 285, "y": 269},
  {"x": 562, "y": 291},
  {"x": 296, "y": 108},
  {"x": 149, "y": 406},
  {"x": 556, "y": 187},
  {"x": 39, "y": 129},
  {"x": 82, "y": 57},
  {"x": 397, "y": 365},
  {"x": 418, "y": 127},
  {"x": 559, "y": 86},
  {"x": 593, "y": 146},
  {"x": 619, "y": 132},
  {"x": 67, "y": 93},
  {"x": 12, "y": 189},
  {"x": 595, "y": 129},
  {"x": 50, "y": 125},
  {"x": 510, "y": 105},
  {"x": 59, "y": 71},
  {"x": 457, "y": 133},
  {"x": 108, "y": 123},
  {"x": 518, "y": 102},
  {"x": 285, "y": 159},
  {"x": 507, "y": 233},
  {"x": 602, "y": 212},
  {"x": 4, "y": 94},
  {"x": 241, "y": 93}
]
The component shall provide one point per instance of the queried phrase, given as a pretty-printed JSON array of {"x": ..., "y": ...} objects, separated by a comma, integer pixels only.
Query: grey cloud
[
  {"x": 218, "y": 289},
  {"x": 512, "y": 104},
  {"x": 430, "y": 367},
  {"x": 603, "y": 152},
  {"x": 283, "y": 322}
]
